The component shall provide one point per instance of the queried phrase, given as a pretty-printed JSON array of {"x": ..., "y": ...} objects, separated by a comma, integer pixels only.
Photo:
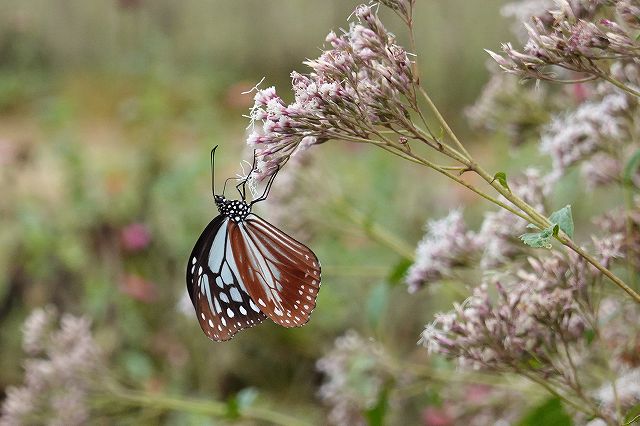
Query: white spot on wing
[
  {"x": 235, "y": 294},
  {"x": 226, "y": 274}
]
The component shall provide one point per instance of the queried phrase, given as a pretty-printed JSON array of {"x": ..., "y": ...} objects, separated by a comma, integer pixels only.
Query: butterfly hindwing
[
  {"x": 281, "y": 275},
  {"x": 220, "y": 298}
]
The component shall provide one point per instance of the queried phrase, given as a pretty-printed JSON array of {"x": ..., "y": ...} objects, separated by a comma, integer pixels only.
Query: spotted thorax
[{"x": 236, "y": 210}]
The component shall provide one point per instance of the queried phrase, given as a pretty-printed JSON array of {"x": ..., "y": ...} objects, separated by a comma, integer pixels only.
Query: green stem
[
  {"x": 543, "y": 222},
  {"x": 377, "y": 232},
  {"x": 564, "y": 239},
  {"x": 462, "y": 182},
  {"x": 535, "y": 217},
  {"x": 619, "y": 84},
  {"x": 211, "y": 408},
  {"x": 557, "y": 394},
  {"x": 443, "y": 122}
]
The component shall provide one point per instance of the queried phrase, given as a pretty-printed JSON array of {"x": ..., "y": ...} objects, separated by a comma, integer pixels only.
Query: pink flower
[
  {"x": 139, "y": 288},
  {"x": 435, "y": 416},
  {"x": 135, "y": 237}
]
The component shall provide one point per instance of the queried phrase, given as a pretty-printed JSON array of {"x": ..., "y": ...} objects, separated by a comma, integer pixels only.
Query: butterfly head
[{"x": 236, "y": 210}]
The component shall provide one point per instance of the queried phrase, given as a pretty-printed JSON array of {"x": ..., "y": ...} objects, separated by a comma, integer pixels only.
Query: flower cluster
[
  {"x": 507, "y": 106},
  {"x": 621, "y": 342},
  {"x": 354, "y": 378},
  {"x": 567, "y": 37},
  {"x": 361, "y": 82},
  {"x": 533, "y": 316},
  {"x": 599, "y": 125},
  {"x": 446, "y": 244},
  {"x": 64, "y": 362},
  {"x": 624, "y": 391},
  {"x": 475, "y": 405},
  {"x": 622, "y": 227}
]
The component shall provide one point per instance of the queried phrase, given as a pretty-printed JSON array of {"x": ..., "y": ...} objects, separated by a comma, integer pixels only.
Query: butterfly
[{"x": 243, "y": 270}]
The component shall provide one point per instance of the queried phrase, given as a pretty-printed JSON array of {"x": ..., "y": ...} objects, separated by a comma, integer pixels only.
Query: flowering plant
[{"x": 535, "y": 314}]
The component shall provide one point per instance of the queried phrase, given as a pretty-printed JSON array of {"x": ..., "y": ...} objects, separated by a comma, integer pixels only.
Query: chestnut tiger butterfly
[{"x": 243, "y": 270}]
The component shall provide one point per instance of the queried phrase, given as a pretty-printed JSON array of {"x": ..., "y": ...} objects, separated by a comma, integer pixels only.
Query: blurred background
[{"x": 108, "y": 111}]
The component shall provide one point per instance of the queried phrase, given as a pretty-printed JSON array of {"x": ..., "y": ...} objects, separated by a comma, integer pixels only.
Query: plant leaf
[
  {"x": 631, "y": 167},
  {"x": 502, "y": 178},
  {"x": 377, "y": 303},
  {"x": 399, "y": 271},
  {"x": 376, "y": 414},
  {"x": 589, "y": 335},
  {"x": 540, "y": 239},
  {"x": 564, "y": 220},
  {"x": 548, "y": 413},
  {"x": 239, "y": 402},
  {"x": 632, "y": 416}
]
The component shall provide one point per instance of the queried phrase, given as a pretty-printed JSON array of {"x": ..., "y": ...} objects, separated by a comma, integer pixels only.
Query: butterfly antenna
[{"x": 213, "y": 153}]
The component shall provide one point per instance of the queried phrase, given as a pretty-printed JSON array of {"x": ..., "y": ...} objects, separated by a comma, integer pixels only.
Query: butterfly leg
[
  {"x": 265, "y": 194},
  {"x": 242, "y": 192}
]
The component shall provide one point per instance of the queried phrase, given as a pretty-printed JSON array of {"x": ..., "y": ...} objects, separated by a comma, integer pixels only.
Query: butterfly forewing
[
  {"x": 281, "y": 275},
  {"x": 215, "y": 286}
]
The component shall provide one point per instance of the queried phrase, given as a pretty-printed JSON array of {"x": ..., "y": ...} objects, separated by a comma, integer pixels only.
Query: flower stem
[
  {"x": 569, "y": 243},
  {"x": 212, "y": 408},
  {"x": 444, "y": 123},
  {"x": 529, "y": 212},
  {"x": 377, "y": 232},
  {"x": 619, "y": 84},
  {"x": 575, "y": 405}
]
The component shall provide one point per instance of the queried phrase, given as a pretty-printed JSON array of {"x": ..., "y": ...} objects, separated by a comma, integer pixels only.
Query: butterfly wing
[
  {"x": 216, "y": 288},
  {"x": 282, "y": 275}
]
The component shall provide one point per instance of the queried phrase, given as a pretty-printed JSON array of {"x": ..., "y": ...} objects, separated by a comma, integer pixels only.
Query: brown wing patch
[{"x": 282, "y": 275}]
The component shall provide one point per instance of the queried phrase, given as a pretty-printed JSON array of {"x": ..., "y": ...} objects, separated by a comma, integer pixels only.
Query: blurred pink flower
[
  {"x": 135, "y": 237},
  {"x": 477, "y": 394},
  {"x": 139, "y": 288},
  {"x": 437, "y": 416}
]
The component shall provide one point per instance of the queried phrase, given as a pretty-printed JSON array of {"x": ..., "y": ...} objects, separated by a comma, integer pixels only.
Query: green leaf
[
  {"x": 399, "y": 271},
  {"x": 548, "y": 413},
  {"x": 564, "y": 220},
  {"x": 377, "y": 303},
  {"x": 540, "y": 239},
  {"x": 502, "y": 178},
  {"x": 376, "y": 414},
  {"x": 631, "y": 167},
  {"x": 632, "y": 416},
  {"x": 233, "y": 411},
  {"x": 589, "y": 335},
  {"x": 138, "y": 364},
  {"x": 240, "y": 401}
]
